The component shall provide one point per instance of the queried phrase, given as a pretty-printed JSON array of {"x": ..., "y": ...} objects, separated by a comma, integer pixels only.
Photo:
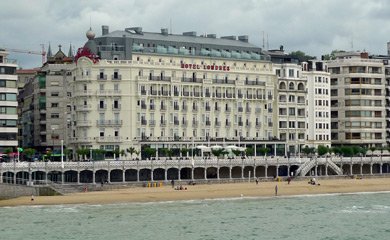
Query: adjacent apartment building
[
  {"x": 8, "y": 102},
  {"x": 358, "y": 110}
]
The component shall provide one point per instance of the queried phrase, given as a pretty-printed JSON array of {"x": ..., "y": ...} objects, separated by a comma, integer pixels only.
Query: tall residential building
[
  {"x": 8, "y": 102},
  {"x": 160, "y": 89},
  {"x": 318, "y": 129},
  {"x": 358, "y": 112},
  {"x": 45, "y": 104},
  {"x": 291, "y": 100}
]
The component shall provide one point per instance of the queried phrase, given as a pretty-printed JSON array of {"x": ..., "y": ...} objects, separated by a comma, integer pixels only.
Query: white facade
[
  {"x": 318, "y": 103},
  {"x": 291, "y": 102},
  {"x": 8, "y": 102},
  {"x": 116, "y": 103}
]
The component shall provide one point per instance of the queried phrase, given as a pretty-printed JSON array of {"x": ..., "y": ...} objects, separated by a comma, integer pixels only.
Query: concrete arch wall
[
  {"x": 236, "y": 172},
  {"x": 145, "y": 174},
  {"x": 172, "y": 174},
  {"x": 199, "y": 173},
  {"x": 212, "y": 173},
  {"x": 86, "y": 176},
  {"x": 158, "y": 174},
  {"x": 186, "y": 173},
  {"x": 131, "y": 175},
  {"x": 224, "y": 172},
  {"x": 116, "y": 175},
  {"x": 70, "y": 176}
]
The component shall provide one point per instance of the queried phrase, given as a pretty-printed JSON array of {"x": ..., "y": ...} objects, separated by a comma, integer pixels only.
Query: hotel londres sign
[{"x": 205, "y": 67}]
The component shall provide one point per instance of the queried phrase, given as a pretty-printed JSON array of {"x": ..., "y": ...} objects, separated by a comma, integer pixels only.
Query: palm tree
[{"x": 131, "y": 150}]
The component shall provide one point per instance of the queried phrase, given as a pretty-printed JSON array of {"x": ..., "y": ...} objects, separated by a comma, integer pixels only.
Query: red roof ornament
[{"x": 85, "y": 52}]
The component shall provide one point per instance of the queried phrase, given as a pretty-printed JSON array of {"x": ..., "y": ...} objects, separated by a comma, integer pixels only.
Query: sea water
[{"x": 346, "y": 216}]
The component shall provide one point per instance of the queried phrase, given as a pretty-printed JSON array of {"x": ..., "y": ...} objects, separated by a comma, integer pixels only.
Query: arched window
[
  {"x": 291, "y": 86},
  {"x": 282, "y": 85},
  {"x": 301, "y": 87}
]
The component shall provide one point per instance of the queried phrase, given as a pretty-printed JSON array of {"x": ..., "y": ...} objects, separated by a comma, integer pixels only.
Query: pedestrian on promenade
[
  {"x": 276, "y": 190},
  {"x": 257, "y": 181},
  {"x": 173, "y": 183}
]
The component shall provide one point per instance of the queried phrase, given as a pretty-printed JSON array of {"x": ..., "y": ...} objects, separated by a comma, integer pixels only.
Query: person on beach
[
  {"x": 32, "y": 198},
  {"x": 257, "y": 181},
  {"x": 173, "y": 183},
  {"x": 276, "y": 190},
  {"x": 288, "y": 180}
]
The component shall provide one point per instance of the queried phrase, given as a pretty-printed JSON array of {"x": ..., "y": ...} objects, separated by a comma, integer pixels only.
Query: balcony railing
[{"x": 108, "y": 122}]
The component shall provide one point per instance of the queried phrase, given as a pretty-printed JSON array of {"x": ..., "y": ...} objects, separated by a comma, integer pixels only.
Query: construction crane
[{"x": 42, "y": 52}]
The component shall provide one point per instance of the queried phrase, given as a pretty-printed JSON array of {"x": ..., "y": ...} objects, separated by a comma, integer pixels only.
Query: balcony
[
  {"x": 184, "y": 122},
  {"x": 207, "y": 108},
  {"x": 143, "y": 122},
  {"x": 152, "y": 122},
  {"x": 83, "y": 123},
  {"x": 109, "y": 139},
  {"x": 176, "y": 93},
  {"x": 84, "y": 108},
  {"x": 195, "y": 123},
  {"x": 101, "y": 76},
  {"x": 207, "y": 94},
  {"x": 240, "y": 124},
  {"x": 240, "y": 109},
  {"x": 217, "y": 109},
  {"x": 248, "y": 109},
  {"x": 143, "y": 106},
  {"x": 152, "y": 107},
  {"x": 217, "y": 123},
  {"x": 228, "y": 124},
  {"x": 108, "y": 122},
  {"x": 176, "y": 122},
  {"x": 143, "y": 92},
  {"x": 102, "y": 106},
  {"x": 163, "y": 107},
  {"x": 228, "y": 109},
  {"x": 258, "y": 110},
  {"x": 176, "y": 107},
  {"x": 195, "y": 108},
  {"x": 163, "y": 123},
  {"x": 197, "y": 94},
  {"x": 186, "y": 94},
  {"x": 184, "y": 108},
  {"x": 208, "y": 123},
  {"x": 160, "y": 78},
  {"x": 116, "y": 77},
  {"x": 165, "y": 93}
]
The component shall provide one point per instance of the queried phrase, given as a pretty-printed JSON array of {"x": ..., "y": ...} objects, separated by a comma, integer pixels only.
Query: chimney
[
  {"x": 388, "y": 48},
  {"x": 229, "y": 37},
  {"x": 164, "y": 31},
  {"x": 192, "y": 34},
  {"x": 243, "y": 38},
  {"x": 104, "y": 30},
  {"x": 364, "y": 55}
]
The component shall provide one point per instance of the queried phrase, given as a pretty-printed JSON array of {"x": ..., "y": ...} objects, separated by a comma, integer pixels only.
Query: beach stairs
[
  {"x": 334, "y": 167},
  {"x": 63, "y": 189},
  {"x": 305, "y": 168}
]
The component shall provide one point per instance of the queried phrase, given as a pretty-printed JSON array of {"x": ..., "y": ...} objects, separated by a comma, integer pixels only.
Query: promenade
[{"x": 164, "y": 169}]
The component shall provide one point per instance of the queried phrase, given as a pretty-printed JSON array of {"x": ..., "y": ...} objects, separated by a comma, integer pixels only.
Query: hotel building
[
  {"x": 358, "y": 112},
  {"x": 8, "y": 102},
  {"x": 159, "y": 88}
]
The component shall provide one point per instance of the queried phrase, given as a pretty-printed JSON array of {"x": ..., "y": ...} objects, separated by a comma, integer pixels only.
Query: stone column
[
  {"x": 78, "y": 177},
  {"x": 288, "y": 170},
  {"x": 29, "y": 176},
  {"x": 137, "y": 174},
  {"x": 166, "y": 174},
  {"x": 93, "y": 177},
  {"x": 371, "y": 169},
  {"x": 46, "y": 177},
  {"x": 62, "y": 177},
  {"x": 242, "y": 171},
  {"x": 230, "y": 173},
  {"x": 218, "y": 172},
  {"x": 266, "y": 171},
  {"x": 205, "y": 173},
  {"x": 178, "y": 174},
  {"x": 361, "y": 169},
  {"x": 124, "y": 175},
  {"x": 1, "y": 177},
  {"x": 351, "y": 169},
  {"x": 192, "y": 174},
  {"x": 326, "y": 169},
  {"x": 380, "y": 168},
  {"x": 277, "y": 171}
]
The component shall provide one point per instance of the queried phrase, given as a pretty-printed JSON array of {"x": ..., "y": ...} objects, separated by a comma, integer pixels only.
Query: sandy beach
[{"x": 208, "y": 191}]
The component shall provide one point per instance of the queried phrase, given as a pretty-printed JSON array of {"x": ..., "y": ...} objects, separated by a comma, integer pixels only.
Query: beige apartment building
[{"x": 358, "y": 109}]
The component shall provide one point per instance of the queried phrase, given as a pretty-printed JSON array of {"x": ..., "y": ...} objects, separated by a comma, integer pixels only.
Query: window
[
  {"x": 55, "y": 115},
  {"x": 55, "y": 94},
  {"x": 54, "y": 105}
]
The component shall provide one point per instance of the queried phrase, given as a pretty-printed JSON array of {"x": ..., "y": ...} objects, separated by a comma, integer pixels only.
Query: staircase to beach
[
  {"x": 305, "y": 168},
  {"x": 334, "y": 167}
]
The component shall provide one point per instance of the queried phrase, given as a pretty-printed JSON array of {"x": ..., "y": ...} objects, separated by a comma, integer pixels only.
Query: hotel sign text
[{"x": 205, "y": 67}]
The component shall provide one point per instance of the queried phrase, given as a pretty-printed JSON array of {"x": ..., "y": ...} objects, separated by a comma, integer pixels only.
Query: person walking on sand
[
  {"x": 173, "y": 183},
  {"x": 276, "y": 190},
  {"x": 32, "y": 198},
  {"x": 257, "y": 181}
]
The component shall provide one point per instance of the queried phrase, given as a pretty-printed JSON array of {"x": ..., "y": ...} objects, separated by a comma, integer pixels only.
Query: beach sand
[{"x": 208, "y": 191}]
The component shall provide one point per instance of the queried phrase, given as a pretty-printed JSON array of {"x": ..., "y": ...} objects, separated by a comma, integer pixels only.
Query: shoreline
[{"x": 211, "y": 192}]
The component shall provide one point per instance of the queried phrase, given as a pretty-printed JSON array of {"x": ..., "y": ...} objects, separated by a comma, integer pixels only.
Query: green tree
[
  {"x": 29, "y": 152},
  {"x": 236, "y": 152},
  {"x": 67, "y": 153},
  {"x": 149, "y": 152},
  {"x": 249, "y": 151},
  {"x": 83, "y": 152},
  {"x": 264, "y": 151},
  {"x": 322, "y": 150},
  {"x": 301, "y": 56},
  {"x": 131, "y": 151},
  {"x": 332, "y": 55},
  {"x": 218, "y": 152},
  {"x": 346, "y": 151},
  {"x": 308, "y": 150},
  {"x": 184, "y": 151},
  {"x": 163, "y": 152}
]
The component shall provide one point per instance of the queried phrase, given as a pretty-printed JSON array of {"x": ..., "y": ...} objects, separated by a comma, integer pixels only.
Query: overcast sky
[{"x": 314, "y": 26}]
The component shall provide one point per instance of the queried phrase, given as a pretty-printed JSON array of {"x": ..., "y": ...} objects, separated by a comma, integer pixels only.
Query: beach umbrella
[
  {"x": 203, "y": 148},
  {"x": 215, "y": 147}
]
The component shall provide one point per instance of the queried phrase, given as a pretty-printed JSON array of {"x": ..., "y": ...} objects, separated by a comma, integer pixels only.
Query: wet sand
[{"x": 208, "y": 191}]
